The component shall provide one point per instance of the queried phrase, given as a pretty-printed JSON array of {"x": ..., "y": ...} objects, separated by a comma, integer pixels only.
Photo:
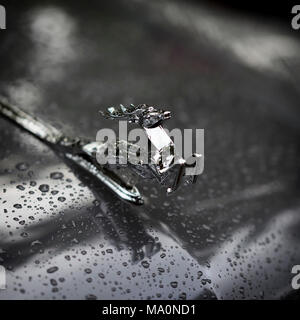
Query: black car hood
[{"x": 235, "y": 234}]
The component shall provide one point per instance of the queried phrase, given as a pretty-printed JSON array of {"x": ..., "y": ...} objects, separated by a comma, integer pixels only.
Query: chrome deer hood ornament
[
  {"x": 170, "y": 171},
  {"x": 165, "y": 163}
]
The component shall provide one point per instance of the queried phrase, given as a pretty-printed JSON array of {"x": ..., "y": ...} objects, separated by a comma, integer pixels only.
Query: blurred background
[{"x": 232, "y": 69}]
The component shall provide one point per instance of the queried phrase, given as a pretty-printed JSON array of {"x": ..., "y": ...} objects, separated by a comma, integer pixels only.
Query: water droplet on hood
[
  {"x": 22, "y": 166},
  {"x": 56, "y": 175},
  {"x": 44, "y": 188},
  {"x": 52, "y": 269}
]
